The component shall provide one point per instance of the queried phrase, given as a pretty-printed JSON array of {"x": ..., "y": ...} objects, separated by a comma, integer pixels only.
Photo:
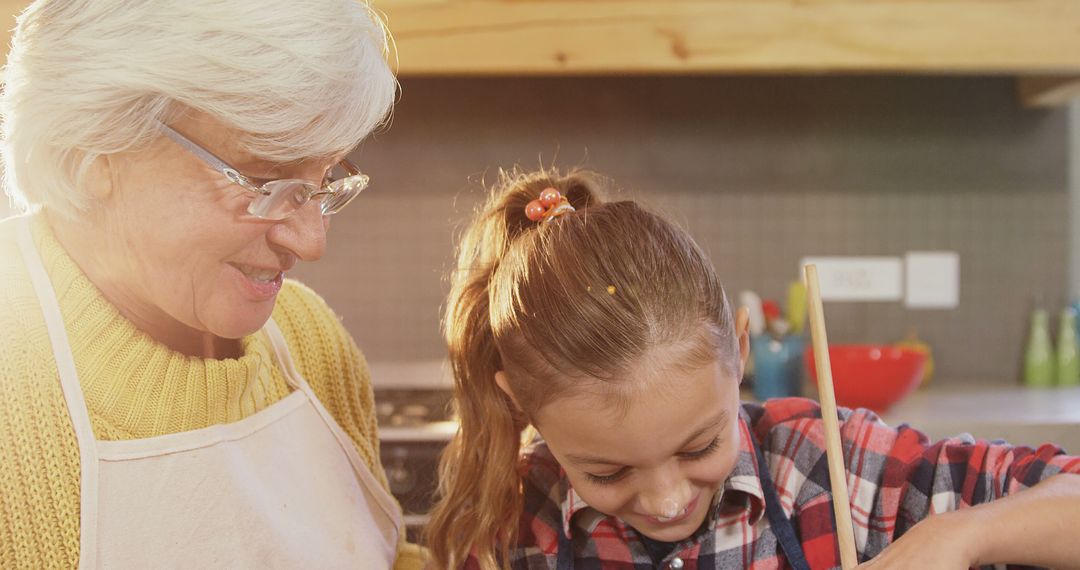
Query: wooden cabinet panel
[{"x": 734, "y": 36}]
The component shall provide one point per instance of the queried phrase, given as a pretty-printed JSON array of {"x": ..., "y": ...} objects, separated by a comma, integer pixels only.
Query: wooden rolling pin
[{"x": 834, "y": 450}]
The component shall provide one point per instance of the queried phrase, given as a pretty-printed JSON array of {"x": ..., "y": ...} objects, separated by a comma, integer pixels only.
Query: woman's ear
[
  {"x": 742, "y": 332},
  {"x": 100, "y": 179},
  {"x": 503, "y": 381}
]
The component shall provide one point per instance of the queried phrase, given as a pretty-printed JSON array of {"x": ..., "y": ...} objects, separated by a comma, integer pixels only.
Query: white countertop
[
  {"x": 1022, "y": 416},
  {"x": 411, "y": 374},
  {"x": 434, "y": 431}
]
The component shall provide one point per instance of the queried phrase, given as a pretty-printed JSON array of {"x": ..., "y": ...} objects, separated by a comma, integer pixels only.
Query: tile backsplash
[{"x": 761, "y": 170}]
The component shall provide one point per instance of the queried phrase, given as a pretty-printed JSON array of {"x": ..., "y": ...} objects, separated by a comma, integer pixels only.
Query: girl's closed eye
[
  {"x": 688, "y": 455},
  {"x": 703, "y": 452},
  {"x": 608, "y": 479}
]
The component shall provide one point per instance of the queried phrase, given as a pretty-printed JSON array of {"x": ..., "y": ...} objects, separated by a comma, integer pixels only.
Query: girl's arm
[
  {"x": 951, "y": 502},
  {"x": 1037, "y": 527}
]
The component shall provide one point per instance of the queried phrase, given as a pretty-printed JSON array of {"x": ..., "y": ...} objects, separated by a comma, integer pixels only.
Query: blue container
[
  {"x": 1075, "y": 306},
  {"x": 778, "y": 366}
]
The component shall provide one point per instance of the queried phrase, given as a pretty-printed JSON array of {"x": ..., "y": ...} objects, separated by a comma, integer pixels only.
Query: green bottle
[
  {"x": 1068, "y": 353},
  {"x": 1039, "y": 358}
]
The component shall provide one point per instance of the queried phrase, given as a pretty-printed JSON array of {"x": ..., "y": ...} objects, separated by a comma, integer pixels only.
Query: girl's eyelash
[
  {"x": 708, "y": 449},
  {"x": 607, "y": 479},
  {"x": 691, "y": 455}
]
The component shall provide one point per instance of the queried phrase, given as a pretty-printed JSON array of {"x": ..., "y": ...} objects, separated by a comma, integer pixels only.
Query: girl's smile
[{"x": 658, "y": 462}]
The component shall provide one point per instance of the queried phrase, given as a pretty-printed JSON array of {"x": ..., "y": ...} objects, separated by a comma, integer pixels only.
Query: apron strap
[
  {"x": 565, "y": 559},
  {"x": 281, "y": 352},
  {"x": 778, "y": 521},
  {"x": 73, "y": 395},
  {"x": 364, "y": 475}
]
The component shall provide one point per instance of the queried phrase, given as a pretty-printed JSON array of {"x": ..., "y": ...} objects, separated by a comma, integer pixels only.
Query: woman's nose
[{"x": 303, "y": 233}]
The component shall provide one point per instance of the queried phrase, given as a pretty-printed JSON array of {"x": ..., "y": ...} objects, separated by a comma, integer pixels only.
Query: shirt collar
[{"x": 741, "y": 490}]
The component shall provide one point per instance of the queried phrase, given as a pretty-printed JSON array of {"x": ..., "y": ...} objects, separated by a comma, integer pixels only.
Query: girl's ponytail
[{"x": 479, "y": 483}]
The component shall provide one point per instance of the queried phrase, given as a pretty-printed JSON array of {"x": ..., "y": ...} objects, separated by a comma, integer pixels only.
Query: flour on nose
[{"x": 670, "y": 508}]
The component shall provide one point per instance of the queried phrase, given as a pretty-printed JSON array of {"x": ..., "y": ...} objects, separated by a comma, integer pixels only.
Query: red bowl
[{"x": 871, "y": 376}]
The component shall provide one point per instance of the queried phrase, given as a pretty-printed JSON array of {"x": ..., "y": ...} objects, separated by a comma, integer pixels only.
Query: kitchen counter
[
  {"x": 433, "y": 431},
  {"x": 1018, "y": 415},
  {"x": 1022, "y": 416}
]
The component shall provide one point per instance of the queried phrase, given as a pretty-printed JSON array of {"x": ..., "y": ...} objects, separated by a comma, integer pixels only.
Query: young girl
[{"x": 606, "y": 329}]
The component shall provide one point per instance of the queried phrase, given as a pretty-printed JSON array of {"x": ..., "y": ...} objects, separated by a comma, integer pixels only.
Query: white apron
[{"x": 281, "y": 488}]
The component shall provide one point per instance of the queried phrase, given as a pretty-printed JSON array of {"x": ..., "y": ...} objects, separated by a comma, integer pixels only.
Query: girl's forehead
[
  {"x": 639, "y": 423},
  {"x": 661, "y": 377}
]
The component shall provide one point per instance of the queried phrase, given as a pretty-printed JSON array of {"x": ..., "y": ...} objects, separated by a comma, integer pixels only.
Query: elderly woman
[{"x": 167, "y": 398}]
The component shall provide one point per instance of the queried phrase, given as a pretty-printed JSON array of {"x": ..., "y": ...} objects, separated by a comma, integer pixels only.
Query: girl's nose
[{"x": 667, "y": 496}]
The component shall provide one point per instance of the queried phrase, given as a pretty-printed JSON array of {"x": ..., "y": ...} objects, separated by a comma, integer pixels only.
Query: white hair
[{"x": 86, "y": 78}]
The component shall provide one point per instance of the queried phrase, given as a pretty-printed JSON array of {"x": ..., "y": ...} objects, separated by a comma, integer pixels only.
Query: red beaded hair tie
[{"x": 549, "y": 206}]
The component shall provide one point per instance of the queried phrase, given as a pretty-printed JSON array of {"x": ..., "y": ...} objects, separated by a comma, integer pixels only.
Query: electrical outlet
[
  {"x": 933, "y": 280},
  {"x": 858, "y": 278}
]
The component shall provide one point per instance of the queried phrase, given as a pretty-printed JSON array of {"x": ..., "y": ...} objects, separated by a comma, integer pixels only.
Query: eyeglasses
[{"x": 279, "y": 199}]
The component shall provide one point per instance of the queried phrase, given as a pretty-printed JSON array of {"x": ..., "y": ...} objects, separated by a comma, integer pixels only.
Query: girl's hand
[{"x": 941, "y": 542}]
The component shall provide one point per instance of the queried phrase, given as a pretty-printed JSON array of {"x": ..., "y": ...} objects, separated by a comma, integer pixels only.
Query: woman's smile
[{"x": 260, "y": 283}]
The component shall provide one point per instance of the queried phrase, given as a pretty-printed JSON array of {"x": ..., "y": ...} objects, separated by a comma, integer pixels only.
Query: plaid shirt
[{"x": 896, "y": 478}]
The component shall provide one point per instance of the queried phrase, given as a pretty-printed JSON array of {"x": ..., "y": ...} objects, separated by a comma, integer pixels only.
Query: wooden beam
[
  {"x": 565, "y": 37},
  {"x": 734, "y": 36},
  {"x": 1053, "y": 91}
]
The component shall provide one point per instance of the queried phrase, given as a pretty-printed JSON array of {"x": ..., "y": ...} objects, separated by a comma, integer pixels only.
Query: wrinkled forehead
[{"x": 233, "y": 145}]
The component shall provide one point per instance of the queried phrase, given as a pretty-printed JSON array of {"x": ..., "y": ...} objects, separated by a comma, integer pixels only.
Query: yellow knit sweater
[{"x": 137, "y": 388}]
